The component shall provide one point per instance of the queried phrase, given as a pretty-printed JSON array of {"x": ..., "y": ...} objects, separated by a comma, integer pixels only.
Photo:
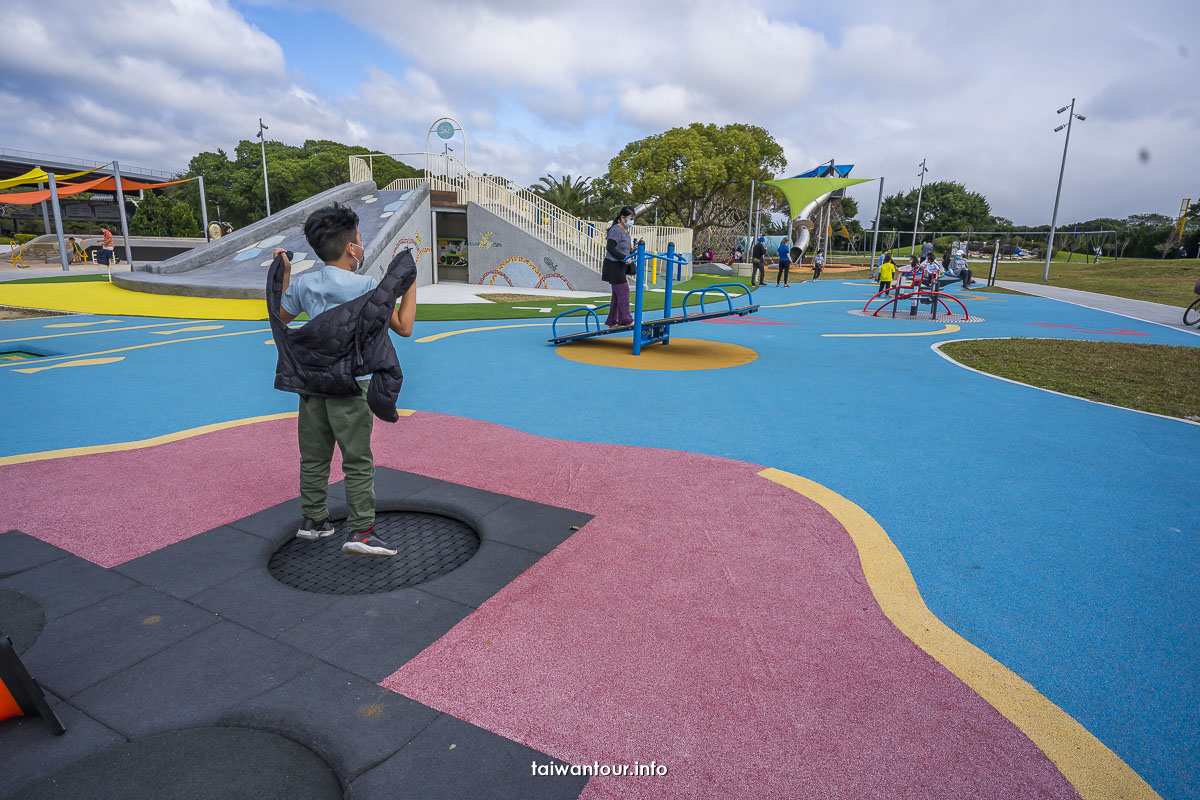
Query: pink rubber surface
[{"x": 706, "y": 619}]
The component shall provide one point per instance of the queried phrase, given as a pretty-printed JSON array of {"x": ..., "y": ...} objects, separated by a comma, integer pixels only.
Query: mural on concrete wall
[
  {"x": 413, "y": 242},
  {"x": 485, "y": 242},
  {"x": 519, "y": 271},
  {"x": 524, "y": 261}
]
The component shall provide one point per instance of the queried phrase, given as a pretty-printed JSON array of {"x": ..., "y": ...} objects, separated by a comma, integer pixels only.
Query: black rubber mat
[
  {"x": 201, "y": 763},
  {"x": 21, "y": 619},
  {"x": 428, "y": 546}
]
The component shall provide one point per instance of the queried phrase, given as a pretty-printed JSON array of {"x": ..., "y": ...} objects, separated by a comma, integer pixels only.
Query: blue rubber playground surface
[{"x": 1055, "y": 534}]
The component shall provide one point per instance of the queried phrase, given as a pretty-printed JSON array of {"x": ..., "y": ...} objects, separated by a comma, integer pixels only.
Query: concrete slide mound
[{"x": 235, "y": 266}]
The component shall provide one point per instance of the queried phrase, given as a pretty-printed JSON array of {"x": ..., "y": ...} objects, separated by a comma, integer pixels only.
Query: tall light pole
[
  {"x": 263, "y": 141},
  {"x": 917, "y": 219},
  {"x": 1071, "y": 117},
  {"x": 875, "y": 236}
]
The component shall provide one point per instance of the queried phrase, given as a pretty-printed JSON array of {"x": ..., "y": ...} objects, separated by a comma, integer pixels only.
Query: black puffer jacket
[{"x": 323, "y": 357}]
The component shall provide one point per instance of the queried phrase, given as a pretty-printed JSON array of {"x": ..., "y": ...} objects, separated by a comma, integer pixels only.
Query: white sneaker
[
  {"x": 312, "y": 530},
  {"x": 367, "y": 544}
]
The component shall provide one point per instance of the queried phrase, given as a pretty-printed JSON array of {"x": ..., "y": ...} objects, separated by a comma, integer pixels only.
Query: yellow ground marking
[
  {"x": 947, "y": 329},
  {"x": 680, "y": 354},
  {"x": 811, "y": 302},
  {"x": 48, "y": 455},
  {"x": 269, "y": 341},
  {"x": 437, "y": 336},
  {"x": 100, "y": 330},
  {"x": 1095, "y": 771},
  {"x": 142, "y": 346},
  {"x": 98, "y": 297},
  {"x": 189, "y": 330},
  {"x": 80, "y": 324},
  {"x": 166, "y": 438},
  {"x": 982, "y": 298},
  {"x": 85, "y": 362}
]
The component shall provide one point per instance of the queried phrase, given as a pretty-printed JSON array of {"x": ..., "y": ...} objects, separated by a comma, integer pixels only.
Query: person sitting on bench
[{"x": 957, "y": 271}]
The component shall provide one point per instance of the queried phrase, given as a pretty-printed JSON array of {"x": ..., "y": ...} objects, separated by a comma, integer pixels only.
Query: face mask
[
  {"x": 361, "y": 255},
  {"x": 629, "y": 223}
]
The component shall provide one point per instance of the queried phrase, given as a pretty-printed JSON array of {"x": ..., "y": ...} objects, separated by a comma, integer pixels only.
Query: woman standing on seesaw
[{"x": 616, "y": 252}]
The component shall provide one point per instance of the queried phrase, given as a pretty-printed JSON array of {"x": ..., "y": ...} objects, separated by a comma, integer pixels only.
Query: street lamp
[
  {"x": 917, "y": 220},
  {"x": 1071, "y": 117},
  {"x": 262, "y": 140}
]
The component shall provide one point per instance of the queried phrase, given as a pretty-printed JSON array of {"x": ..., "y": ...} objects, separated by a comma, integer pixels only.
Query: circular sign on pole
[{"x": 445, "y": 130}]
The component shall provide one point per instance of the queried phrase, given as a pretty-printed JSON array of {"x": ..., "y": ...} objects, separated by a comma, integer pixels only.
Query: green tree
[
  {"x": 945, "y": 206},
  {"x": 235, "y": 185},
  {"x": 605, "y": 200},
  {"x": 152, "y": 217},
  {"x": 699, "y": 173},
  {"x": 181, "y": 221},
  {"x": 569, "y": 194},
  {"x": 848, "y": 208}
]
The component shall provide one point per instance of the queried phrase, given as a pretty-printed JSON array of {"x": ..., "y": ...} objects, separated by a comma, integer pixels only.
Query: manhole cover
[{"x": 428, "y": 546}]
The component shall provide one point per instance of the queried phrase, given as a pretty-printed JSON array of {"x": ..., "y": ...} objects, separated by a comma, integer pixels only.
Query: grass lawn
[
  {"x": 652, "y": 301},
  {"x": 1146, "y": 377},
  {"x": 102, "y": 276},
  {"x": 1169, "y": 282}
]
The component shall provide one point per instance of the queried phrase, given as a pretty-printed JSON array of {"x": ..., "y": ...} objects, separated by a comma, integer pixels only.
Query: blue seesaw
[{"x": 652, "y": 331}]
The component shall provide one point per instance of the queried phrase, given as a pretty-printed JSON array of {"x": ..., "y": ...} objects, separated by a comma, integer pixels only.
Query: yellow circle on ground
[{"x": 680, "y": 354}]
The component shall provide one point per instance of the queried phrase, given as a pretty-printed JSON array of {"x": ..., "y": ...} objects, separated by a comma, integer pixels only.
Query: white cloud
[
  {"x": 661, "y": 106},
  {"x": 881, "y": 57},
  {"x": 195, "y": 77},
  {"x": 545, "y": 86}
]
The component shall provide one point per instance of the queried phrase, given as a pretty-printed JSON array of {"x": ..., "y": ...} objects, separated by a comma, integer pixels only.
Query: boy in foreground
[{"x": 332, "y": 233}]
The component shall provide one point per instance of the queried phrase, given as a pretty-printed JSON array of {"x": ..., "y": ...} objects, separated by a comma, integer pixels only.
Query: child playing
[
  {"x": 332, "y": 233},
  {"x": 818, "y": 265},
  {"x": 887, "y": 273}
]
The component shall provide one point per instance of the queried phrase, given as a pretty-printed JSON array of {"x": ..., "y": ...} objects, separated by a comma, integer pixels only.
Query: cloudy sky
[{"x": 551, "y": 86}]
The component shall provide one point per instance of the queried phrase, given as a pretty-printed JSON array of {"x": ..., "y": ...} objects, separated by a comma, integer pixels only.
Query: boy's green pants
[{"x": 346, "y": 421}]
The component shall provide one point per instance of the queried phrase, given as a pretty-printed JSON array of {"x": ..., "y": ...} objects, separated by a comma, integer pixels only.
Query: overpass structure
[
  {"x": 29, "y": 167},
  {"x": 18, "y": 162}
]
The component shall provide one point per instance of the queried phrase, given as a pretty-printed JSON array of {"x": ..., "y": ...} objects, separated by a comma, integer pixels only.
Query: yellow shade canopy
[
  {"x": 799, "y": 192},
  {"x": 39, "y": 175}
]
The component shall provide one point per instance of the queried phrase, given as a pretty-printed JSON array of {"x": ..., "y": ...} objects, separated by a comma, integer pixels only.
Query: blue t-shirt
[
  {"x": 785, "y": 253},
  {"x": 319, "y": 290}
]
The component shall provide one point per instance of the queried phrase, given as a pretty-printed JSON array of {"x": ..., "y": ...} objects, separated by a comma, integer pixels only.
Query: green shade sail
[{"x": 799, "y": 192}]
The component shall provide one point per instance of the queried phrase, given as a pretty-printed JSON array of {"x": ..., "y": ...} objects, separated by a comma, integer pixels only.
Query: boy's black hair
[{"x": 329, "y": 229}]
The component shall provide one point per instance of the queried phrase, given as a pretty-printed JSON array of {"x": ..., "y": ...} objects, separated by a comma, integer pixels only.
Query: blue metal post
[
  {"x": 670, "y": 264},
  {"x": 670, "y": 284},
  {"x": 637, "y": 306}
]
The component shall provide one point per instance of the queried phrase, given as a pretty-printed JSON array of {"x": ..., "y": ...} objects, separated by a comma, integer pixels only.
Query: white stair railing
[
  {"x": 581, "y": 239},
  {"x": 405, "y": 184}
]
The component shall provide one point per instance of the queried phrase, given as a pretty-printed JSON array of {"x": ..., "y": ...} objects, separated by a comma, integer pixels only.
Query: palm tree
[{"x": 569, "y": 194}]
